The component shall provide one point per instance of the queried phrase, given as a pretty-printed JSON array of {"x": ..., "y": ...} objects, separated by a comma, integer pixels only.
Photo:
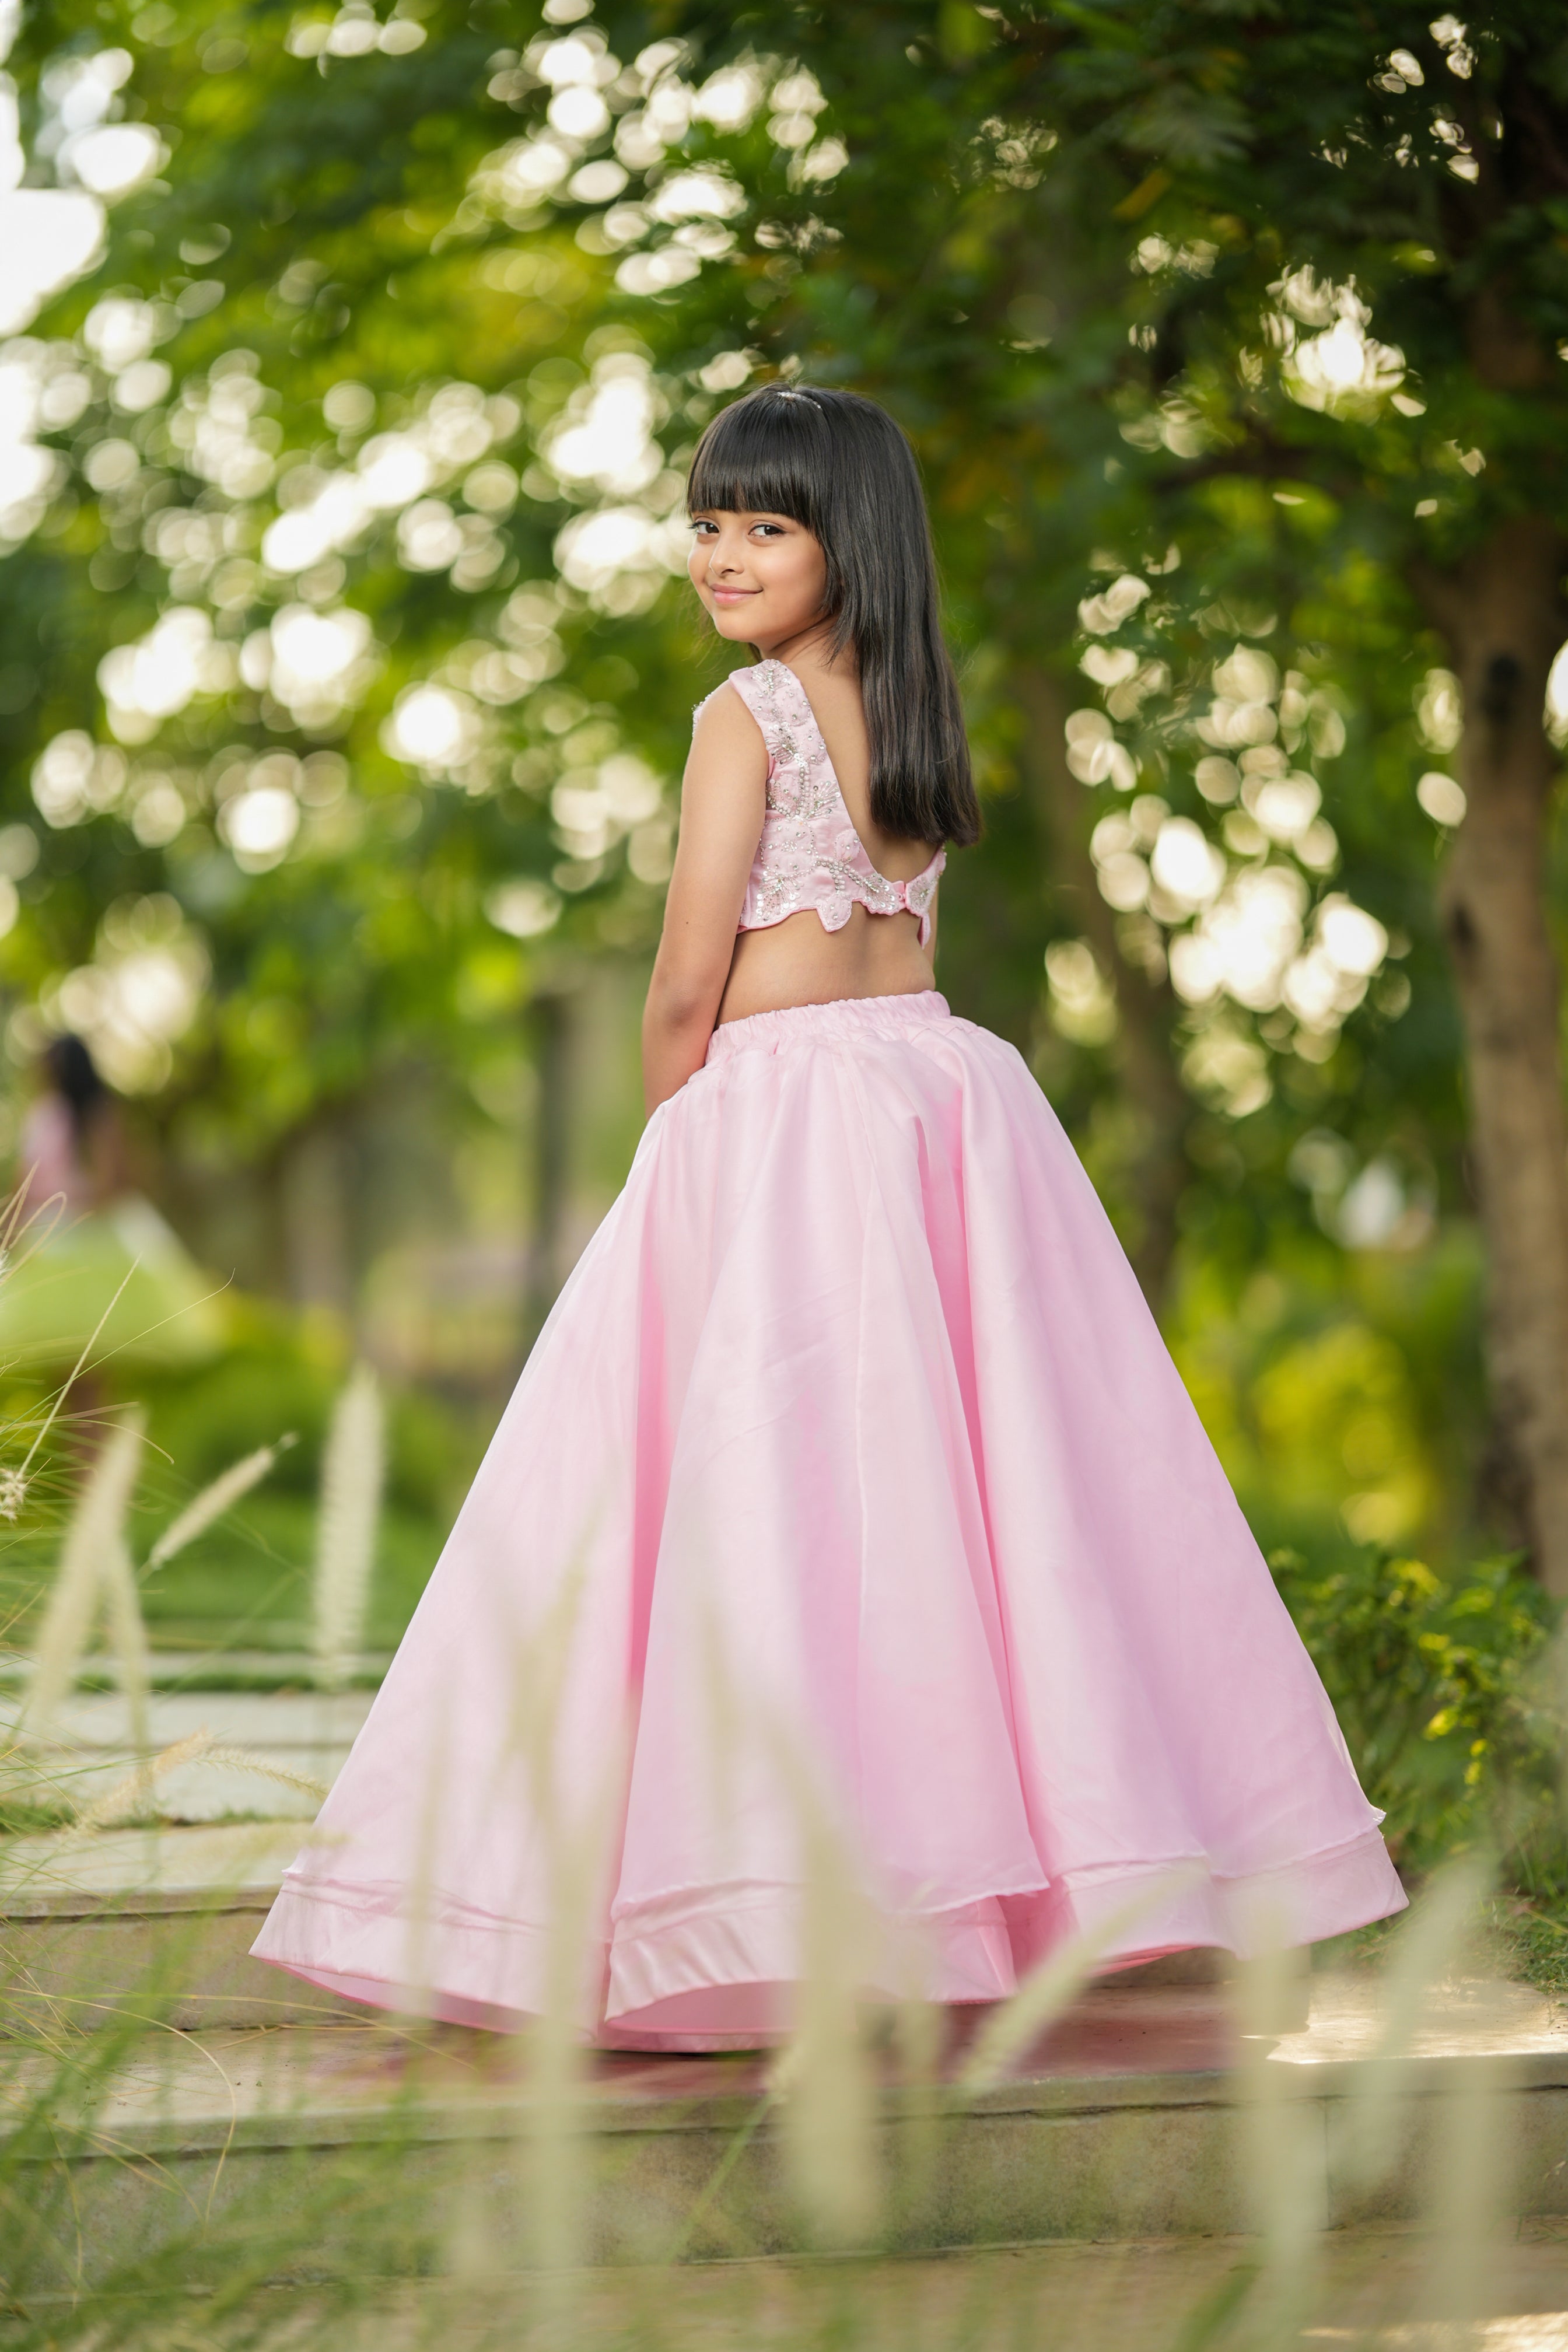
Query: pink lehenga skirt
[{"x": 849, "y": 1493}]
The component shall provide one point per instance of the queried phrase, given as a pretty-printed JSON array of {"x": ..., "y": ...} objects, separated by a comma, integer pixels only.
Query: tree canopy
[{"x": 347, "y": 677}]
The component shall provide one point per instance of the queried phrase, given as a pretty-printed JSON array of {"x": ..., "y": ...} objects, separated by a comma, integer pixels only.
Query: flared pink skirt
[{"x": 849, "y": 1527}]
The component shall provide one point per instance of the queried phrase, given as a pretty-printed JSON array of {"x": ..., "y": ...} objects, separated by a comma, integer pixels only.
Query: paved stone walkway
[
  {"x": 1136, "y": 2297},
  {"x": 294, "y": 1737}
]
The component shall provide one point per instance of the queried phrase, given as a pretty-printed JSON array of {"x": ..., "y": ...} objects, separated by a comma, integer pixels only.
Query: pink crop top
[{"x": 810, "y": 854}]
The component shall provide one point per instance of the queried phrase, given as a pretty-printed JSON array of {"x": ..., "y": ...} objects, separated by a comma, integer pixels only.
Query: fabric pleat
[{"x": 849, "y": 1527}]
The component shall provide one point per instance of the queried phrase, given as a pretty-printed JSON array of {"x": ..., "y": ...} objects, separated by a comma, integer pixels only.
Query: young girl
[{"x": 849, "y": 1502}]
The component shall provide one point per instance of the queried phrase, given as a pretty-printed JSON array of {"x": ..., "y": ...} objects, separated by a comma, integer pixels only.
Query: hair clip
[{"x": 787, "y": 392}]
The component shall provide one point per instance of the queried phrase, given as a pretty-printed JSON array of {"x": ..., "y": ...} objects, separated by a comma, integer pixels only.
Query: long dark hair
[
  {"x": 840, "y": 466},
  {"x": 73, "y": 1074}
]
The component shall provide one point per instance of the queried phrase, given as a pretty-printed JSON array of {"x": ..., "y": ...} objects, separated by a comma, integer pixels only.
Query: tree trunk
[
  {"x": 1156, "y": 1101},
  {"x": 316, "y": 1219},
  {"x": 1502, "y": 614}
]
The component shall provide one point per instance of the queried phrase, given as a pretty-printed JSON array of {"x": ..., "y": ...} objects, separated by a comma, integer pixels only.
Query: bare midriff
[{"x": 798, "y": 961}]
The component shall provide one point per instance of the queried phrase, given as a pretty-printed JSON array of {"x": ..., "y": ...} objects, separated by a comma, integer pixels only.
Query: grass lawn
[{"x": 245, "y": 1583}]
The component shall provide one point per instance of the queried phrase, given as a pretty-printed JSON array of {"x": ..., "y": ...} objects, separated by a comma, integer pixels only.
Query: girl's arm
[{"x": 722, "y": 804}]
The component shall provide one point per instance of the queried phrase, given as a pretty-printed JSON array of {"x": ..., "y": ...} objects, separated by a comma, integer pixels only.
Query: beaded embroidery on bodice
[{"x": 810, "y": 854}]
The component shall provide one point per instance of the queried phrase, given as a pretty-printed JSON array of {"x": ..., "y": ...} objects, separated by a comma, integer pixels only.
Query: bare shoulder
[
  {"x": 723, "y": 800},
  {"x": 725, "y": 730}
]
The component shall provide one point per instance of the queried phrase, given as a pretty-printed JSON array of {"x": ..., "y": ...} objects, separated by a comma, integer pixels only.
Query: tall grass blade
[
  {"x": 128, "y": 1640},
  {"x": 213, "y": 1501},
  {"x": 242, "y": 1760},
  {"x": 1470, "y": 2178},
  {"x": 57, "y": 1402},
  {"x": 1286, "y": 2159},
  {"x": 829, "y": 2105},
  {"x": 578, "y": 1828},
  {"x": 345, "y": 1542},
  {"x": 95, "y": 1532},
  {"x": 1423, "y": 1954},
  {"x": 132, "y": 1796},
  {"x": 1469, "y": 2170},
  {"x": 918, "y": 2037},
  {"x": 1051, "y": 1988}
]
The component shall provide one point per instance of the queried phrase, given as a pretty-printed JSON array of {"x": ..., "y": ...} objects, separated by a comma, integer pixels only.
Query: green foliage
[
  {"x": 282, "y": 1375},
  {"x": 1344, "y": 1399},
  {"x": 1533, "y": 1938},
  {"x": 1086, "y": 256},
  {"x": 970, "y": 265},
  {"x": 1442, "y": 1691},
  {"x": 245, "y": 1582}
]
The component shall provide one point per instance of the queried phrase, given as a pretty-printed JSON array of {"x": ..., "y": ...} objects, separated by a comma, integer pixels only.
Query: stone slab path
[
  {"x": 1136, "y": 2115},
  {"x": 269, "y": 1744},
  {"x": 1370, "y": 2292}
]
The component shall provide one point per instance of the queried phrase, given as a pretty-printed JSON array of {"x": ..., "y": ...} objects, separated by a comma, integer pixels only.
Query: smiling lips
[{"x": 731, "y": 596}]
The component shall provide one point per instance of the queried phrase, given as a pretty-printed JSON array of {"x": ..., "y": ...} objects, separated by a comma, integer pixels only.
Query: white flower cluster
[
  {"x": 356, "y": 32},
  {"x": 74, "y": 778},
  {"x": 592, "y": 805},
  {"x": 152, "y": 678},
  {"x": 1343, "y": 369},
  {"x": 139, "y": 995},
  {"x": 619, "y": 553},
  {"x": 1236, "y": 920},
  {"x": 599, "y": 792},
  {"x": 1440, "y": 721},
  {"x": 29, "y": 474},
  {"x": 314, "y": 665},
  {"x": 273, "y": 522},
  {"x": 327, "y": 509},
  {"x": 1252, "y": 946},
  {"x": 1082, "y": 1006},
  {"x": 650, "y": 106},
  {"x": 49, "y": 235},
  {"x": 260, "y": 802},
  {"x": 440, "y": 725},
  {"x": 220, "y": 431},
  {"x": 604, "y": 437},
  {"x": 45, "y": 386}
]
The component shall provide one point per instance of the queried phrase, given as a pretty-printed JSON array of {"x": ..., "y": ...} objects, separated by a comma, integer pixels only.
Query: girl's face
[{"x": 762, "y": 577}]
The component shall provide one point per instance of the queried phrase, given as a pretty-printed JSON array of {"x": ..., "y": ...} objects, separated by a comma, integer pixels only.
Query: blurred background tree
[{"x": 354, "y": 355}]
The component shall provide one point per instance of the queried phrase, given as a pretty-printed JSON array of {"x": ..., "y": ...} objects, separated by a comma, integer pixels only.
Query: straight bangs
[
  {"x": 760, "y": 457},
  {"x": 841, "y": 468}
]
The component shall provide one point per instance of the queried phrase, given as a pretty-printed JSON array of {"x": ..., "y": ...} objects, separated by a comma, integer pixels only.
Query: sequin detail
[{"x": 810, "y": 854}]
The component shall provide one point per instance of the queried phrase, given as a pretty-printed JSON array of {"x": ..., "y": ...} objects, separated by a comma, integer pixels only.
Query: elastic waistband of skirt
[{"x": 847, "y": 1019}]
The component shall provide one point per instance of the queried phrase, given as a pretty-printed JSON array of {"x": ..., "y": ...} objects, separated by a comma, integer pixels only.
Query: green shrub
[
  {"x": 1444, "y": 1691},
  {"x": 283, "y": 1372}
]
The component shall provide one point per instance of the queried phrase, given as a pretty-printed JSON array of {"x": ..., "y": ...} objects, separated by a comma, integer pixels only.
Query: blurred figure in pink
[{"x": 88, "y": 1234}]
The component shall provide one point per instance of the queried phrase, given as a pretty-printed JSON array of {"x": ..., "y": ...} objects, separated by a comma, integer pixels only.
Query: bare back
[
  {"x": 824, "y": 916},
  {"x": 784, "y": 891}
]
